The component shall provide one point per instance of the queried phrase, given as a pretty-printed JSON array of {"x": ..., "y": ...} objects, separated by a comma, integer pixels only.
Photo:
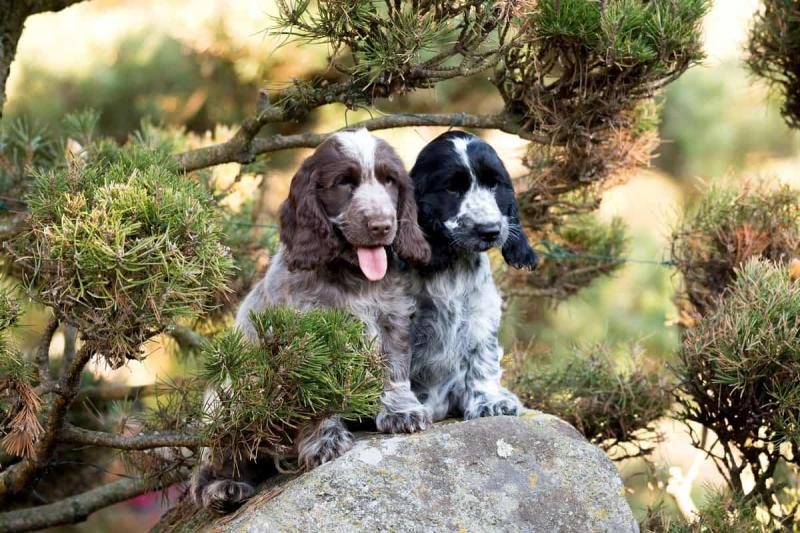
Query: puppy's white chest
[{"x": 463, "y": 307}]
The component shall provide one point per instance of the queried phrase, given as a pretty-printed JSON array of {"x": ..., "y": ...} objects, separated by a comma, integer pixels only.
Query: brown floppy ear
[
  {"x": 306, "y": 233},
  {"x": 410, "y": 243}
]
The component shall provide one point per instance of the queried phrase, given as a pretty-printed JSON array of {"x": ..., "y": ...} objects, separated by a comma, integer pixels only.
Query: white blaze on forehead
[
  {"x": 478, "y": 204},
  {"x": 359, "y": 145},
  {"x": 373, "y": 200},
  {"x": 460, "y": 145}
]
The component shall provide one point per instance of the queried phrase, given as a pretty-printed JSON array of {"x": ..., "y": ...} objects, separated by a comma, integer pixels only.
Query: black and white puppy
[{"x": 466, "y": 206}]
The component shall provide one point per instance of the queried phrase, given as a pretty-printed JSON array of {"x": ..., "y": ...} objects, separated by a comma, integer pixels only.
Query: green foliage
[
  {"x": 581, "y": 250},
  {"x": 715, "y": 121},
  {"x": 602, "y": 39},
  {"x": 745, "y": 355},
  {"x": 613, "y": 404},
  {"x": 9, "y": 311},
  {"x": 721, "y": 512},
  {"x": 774, "y": 49},
  {"x": 247, "y": 245},
  {"x": 728, "y": 227},
  {"x": 385, "y": 47},
  {"x": 384, "y": 40},
  {"x": 121, "y": 245},
  {"x": 579, "y": 74},
  {"x": 23, "y": 144},
  {"x": 13, "y": 368},
  {"x": 19, "y": 403},
  {"x": 153, "y": 76},
  {"x": 629, "y": 31},
  {"x": 739, "y": 374},
  {"x": 305, "y": 366}
]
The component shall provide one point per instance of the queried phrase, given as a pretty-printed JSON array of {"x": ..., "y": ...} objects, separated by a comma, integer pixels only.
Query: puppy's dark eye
[
  {"x": 459, "y": 183},
  {"x": 489, "y": 179},
  {"x": 389, "y": 179},
  {"x": 346, "y": 181}
]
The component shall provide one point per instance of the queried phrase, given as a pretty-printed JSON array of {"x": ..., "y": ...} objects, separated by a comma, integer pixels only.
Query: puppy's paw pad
[
  {"x": 225, "y": 496},
  {"x": 499, "y": 406},
  {"x": 329, "y": 445},
  {"x": 405, "y": 422}
]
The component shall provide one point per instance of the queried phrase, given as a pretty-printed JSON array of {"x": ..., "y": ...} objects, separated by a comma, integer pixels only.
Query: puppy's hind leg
[
  {"x": 322, "y": 441},
  {"x": 215, "y": 485}
]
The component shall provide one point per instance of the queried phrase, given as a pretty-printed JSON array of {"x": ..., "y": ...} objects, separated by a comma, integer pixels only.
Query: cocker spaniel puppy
[
  {"x": 466, "y": 206},
  {"x": 348, "y": 225}
]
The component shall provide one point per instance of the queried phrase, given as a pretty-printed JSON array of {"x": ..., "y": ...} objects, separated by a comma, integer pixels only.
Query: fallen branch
[
  {"x": 74, "y": 509},
  {"x": 145, "y": 441},
  {"x": 244, "y": 146}
]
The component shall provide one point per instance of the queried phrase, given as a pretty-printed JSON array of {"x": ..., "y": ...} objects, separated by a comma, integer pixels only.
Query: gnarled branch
[
  {"x": 17, "y": 477},
  {"x": 75, "y": 509},
  {"x": 14, "y": 13},
  {"x": 146, "y": 441},
  {"x": 244, "y": 145}
]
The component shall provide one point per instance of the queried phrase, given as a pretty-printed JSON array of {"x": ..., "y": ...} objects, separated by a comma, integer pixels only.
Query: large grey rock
[{"x": 532, "y": 473}]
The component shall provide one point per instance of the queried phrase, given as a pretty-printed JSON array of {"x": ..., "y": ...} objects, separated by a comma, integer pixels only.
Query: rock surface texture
[{"x": 533, "y": 473}]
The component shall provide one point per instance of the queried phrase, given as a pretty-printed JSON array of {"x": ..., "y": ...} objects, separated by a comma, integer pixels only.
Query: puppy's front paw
[
  {"x": 409, "y": 421},
  {"x": 225, "y": 495},
  {"x": 329, "y": 441},
  {"x": 493, "y": 406}
]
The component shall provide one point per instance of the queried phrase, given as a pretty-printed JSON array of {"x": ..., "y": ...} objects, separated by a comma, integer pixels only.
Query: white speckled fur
[{"x": 455, "y": 366}]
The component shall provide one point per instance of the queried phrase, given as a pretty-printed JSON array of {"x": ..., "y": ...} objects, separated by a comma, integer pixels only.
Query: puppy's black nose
[
  {"x": 487, "y": 232},
  {"x": 379, "y": 228}
]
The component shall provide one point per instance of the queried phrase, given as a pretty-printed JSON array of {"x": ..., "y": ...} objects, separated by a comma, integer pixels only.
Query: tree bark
[
  {"x": 12, "y": 20},
  {"x": 17, "y": 477},
  {"x": 75, "y": 509},
  {"x": 14, "y": 14},
  {"x": 244, "y": 146},
  {"x": 144, "y": 441}
]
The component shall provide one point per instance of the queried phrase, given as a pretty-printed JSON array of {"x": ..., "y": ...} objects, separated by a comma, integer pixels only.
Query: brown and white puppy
[{"x": 348, "y": 225}]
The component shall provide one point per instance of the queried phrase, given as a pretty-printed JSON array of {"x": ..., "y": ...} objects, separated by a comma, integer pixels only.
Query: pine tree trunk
[{"x": 12, "y": 19}]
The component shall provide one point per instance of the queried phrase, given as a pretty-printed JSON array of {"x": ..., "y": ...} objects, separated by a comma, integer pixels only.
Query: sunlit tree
[{"x": 122, "y": 243}]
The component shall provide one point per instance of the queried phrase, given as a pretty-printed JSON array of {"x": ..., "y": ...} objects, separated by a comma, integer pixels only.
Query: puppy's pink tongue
[{"x": 372, "y": 262}]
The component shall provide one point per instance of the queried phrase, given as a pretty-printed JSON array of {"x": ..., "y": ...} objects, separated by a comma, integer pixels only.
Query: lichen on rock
[{"x": 450, "y": 478}]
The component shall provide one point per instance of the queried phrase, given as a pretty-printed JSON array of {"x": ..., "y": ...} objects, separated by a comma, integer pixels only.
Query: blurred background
[{"x": 197, "y": 65}]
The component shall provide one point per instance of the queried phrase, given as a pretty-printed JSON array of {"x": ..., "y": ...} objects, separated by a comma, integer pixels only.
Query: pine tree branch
[
  {"x": 75, "y": 509},
  {"x": 11, "y": 23},
  {"x": 43, "y": 353},
  {"x": 70, "y": 344},
  {"x": 146, "y": 441},
  {"x": 41, "y": 6},
  {"x": 243, "y": 147},
  {"x": 17, "y": 477},
  {"x": 186, "y": 337}
]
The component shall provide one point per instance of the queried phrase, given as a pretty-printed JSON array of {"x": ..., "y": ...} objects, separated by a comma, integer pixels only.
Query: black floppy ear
[
  {"x": 517, "y": 251},
  {"x": 306, "y": 233},
  {"x": 410, "y": 243}
]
